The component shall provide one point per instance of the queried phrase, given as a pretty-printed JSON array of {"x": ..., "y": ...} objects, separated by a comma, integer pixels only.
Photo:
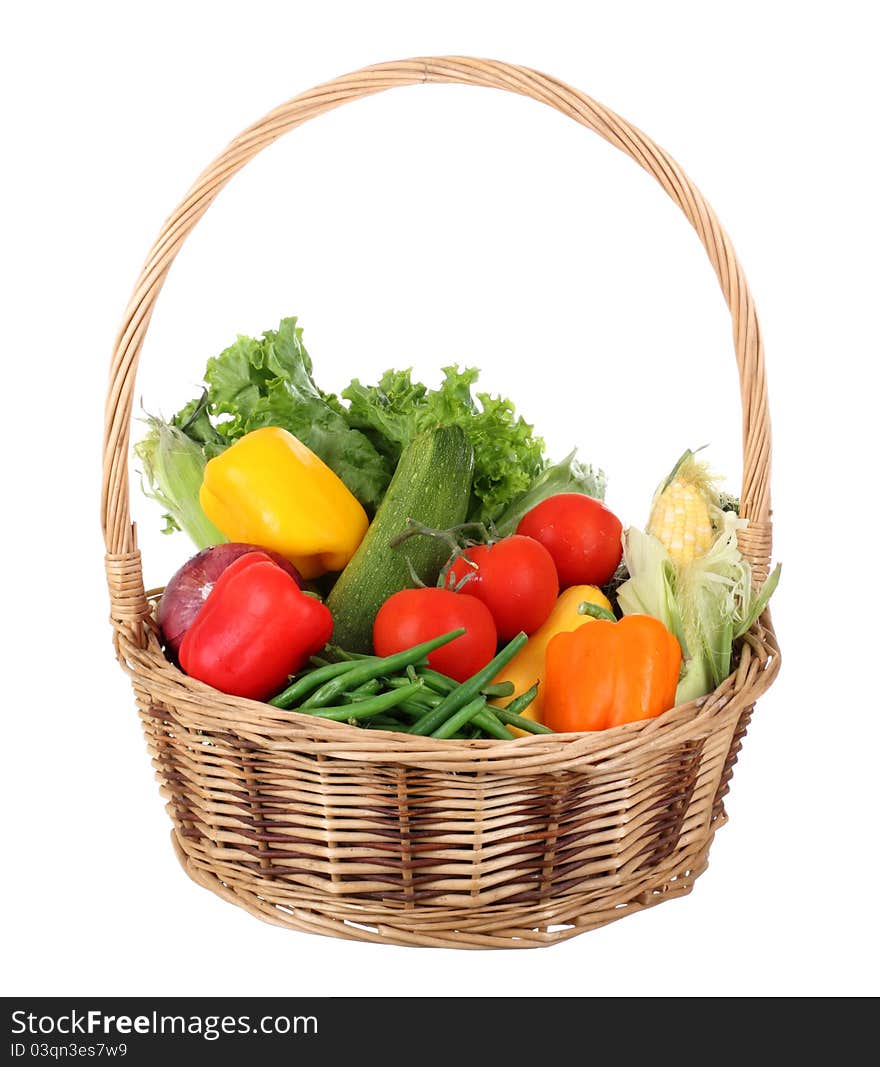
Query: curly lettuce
[
  {"x": 508, "y": 456},
  {"x": 268, "y": 382},
  {"x": 361, "y": 433},
  {"x": 567, "y": 476}
]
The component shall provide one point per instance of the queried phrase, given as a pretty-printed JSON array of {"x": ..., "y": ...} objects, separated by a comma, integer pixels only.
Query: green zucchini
[{"x": 431, "y": 485}]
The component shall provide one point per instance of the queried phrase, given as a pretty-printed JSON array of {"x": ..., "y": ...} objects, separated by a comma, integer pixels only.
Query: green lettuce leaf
[
  {"x": 268, "y": 382},
  {"x": 361, "y": 433},
  {"x": 508, "y": 457},
  {"x": 567, "y": 476},
  {"x": 387, "y": 413}
]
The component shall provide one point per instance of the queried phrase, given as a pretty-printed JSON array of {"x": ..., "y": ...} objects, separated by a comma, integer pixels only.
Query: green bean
[
  {"x": 398, "y": 681},
  {"x": 319, "y": 661},
  {"x": 511, "y": 714},
  {"x": 489, "y": 723},
  {"x": 411, "y": 709},
  {"x": 519, "y": 705},
  {"x": 596, "y": 611},
  {"x": 308, "y": 682},
  {"x": 498, "y": 689},
  {"x": 460, "y": 718},
  {"x": 344, "y": 654},
  {"x": 486, "y": 720},
  {"x": 512, "y": 719},
  {"x": 424, "y": 698},
  {"x": 364, "y": 709},
  {"x": 363, "y": 670},
  {"x": 467, "y": 691},
  {"x": 442, "y": 684},
  {"x": 371, "y": 686}
]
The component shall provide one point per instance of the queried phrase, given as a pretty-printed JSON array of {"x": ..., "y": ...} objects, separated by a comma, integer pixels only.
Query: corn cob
[{"x": 681, "y": 511}]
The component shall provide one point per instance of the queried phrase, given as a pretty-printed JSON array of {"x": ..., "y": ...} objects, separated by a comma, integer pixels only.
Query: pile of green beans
[{"x": 402, "y": 693}]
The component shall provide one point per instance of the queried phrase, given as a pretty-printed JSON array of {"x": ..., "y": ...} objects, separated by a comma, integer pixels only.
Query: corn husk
[
  {"x": 707, "y": 603},
  {"x": 173, "y": 468}
]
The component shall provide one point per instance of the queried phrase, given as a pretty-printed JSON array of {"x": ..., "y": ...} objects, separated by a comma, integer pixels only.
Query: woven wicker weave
[{"x": 408, "y": 840}]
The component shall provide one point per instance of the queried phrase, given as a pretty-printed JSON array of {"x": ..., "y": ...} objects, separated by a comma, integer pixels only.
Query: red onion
[{"x": 189, "y": 586}]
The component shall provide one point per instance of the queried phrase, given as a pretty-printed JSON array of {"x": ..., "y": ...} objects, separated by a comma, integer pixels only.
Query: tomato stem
[{"x": 457, "y": 543}]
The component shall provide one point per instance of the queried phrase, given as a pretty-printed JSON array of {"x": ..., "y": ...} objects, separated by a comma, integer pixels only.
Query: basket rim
[{"x": 276, "y": 729}]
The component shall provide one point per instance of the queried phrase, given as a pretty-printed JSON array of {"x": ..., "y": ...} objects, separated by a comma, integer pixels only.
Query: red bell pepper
[{"x": 255, "y": 629}]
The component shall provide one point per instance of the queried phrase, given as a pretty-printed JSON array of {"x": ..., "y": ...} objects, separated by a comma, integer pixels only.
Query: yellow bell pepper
[
  {"x": 528, "y": 665},
  {"x": 269, "y": 489}
]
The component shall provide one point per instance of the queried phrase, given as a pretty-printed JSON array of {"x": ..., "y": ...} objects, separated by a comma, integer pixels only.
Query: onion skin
[{"x": 189, "y": 586}]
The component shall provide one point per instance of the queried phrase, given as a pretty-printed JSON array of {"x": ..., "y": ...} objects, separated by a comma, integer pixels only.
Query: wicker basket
[{"x": 408, "y": 840}]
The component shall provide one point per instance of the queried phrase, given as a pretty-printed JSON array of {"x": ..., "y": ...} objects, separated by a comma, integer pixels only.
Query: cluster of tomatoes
[{"x": 496, "y": 590}]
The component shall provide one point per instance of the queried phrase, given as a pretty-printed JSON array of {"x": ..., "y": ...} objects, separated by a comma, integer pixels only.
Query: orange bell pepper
[
  {"x": 610, "y": 673},
  {"x": 527, "y": 666}
]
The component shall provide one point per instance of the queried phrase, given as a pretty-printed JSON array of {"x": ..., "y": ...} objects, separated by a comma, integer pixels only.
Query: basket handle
[{"x": 124, "y": 575}]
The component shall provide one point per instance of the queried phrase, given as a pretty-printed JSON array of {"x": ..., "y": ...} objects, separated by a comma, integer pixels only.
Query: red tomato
[
  {"x": 580, "y": 533},
  {"x": 516, "y": 580},
  {"x": 414, "y": 615}
]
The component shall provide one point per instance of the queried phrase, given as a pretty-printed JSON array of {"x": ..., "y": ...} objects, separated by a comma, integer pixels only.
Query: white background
[{"x": 426, "y": 226}]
